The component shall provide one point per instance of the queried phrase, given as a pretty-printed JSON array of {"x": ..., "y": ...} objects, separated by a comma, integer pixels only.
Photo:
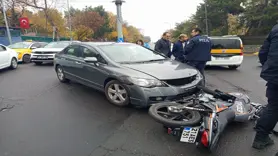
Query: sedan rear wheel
[
  {"x": 13, "y": 63},
  {"x": 116, "y": 93}
]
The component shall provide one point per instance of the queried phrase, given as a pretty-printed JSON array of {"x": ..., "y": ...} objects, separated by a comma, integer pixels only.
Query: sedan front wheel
[
  {"x": 116, "y": 93},
  {"x": 61, "y": 74}
]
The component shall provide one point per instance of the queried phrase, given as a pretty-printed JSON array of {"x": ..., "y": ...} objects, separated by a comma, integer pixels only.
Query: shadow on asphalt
[{"x": 219, "y": 68}]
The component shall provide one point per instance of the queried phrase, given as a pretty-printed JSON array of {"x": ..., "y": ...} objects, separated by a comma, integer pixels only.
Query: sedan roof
[{"x": 104, "y": 43}]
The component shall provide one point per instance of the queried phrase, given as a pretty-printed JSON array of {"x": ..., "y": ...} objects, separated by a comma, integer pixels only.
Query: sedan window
[
  {"x": 130, "y": 53},
  {"x": 72, "y": 50},
  {"x": 2, "y": 48},
  {"x": 87, "y": 52}
]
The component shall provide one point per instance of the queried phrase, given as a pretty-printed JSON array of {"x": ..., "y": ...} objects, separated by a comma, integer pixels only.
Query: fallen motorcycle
[{"x": 202, "y": 118}]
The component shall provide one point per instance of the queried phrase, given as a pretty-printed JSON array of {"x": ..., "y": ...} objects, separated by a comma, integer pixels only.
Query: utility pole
[
  {"x": 6, "y": 22},
  {"x": 69, "y": 20},
  {"x": 119, "y": 20},
  {"x": 206, "y": 14}
]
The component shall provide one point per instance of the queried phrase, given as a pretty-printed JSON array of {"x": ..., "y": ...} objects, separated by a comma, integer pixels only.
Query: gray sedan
[{"x": 127, "y": 73}]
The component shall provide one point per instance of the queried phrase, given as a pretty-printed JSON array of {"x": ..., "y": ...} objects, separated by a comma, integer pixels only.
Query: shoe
[{"x": 261, "y": 144}]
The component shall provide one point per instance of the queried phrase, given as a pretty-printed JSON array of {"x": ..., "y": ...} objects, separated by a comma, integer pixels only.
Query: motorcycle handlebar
[
  {"x": 217, "y": 93},
  {"x": 206, "y": 90}
]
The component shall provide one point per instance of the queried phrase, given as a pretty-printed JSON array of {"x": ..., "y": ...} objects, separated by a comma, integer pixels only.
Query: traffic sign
[{"x": 120, "y": 40}]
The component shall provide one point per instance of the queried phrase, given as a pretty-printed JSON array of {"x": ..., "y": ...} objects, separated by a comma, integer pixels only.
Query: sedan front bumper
[{"x": 144, "y": 97}]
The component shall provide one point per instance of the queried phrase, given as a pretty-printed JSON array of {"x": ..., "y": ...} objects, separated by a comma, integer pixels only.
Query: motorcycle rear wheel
[{"x": 161, "y": 114}]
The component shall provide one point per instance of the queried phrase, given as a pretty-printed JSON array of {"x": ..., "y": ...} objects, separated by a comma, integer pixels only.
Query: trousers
[
  {"x": 269, "y": 117},
  {"x": 200, "y": 65}
]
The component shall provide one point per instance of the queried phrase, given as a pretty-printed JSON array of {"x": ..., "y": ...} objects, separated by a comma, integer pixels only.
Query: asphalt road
[{"x": 48, "y": 118}]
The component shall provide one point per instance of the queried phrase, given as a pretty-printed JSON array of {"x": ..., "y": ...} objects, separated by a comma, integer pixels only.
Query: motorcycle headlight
[
  {"x": 142, "y": 82},
  {"x": 239, "y": 107}
]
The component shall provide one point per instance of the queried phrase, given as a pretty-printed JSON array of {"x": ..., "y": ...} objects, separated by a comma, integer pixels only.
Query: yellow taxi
[
  {"x": 24, "y": 49},
  {"x": 226, "y": 51}
]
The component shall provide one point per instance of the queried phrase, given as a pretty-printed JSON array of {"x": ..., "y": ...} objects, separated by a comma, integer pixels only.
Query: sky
[{"x": 153, "y": 17}]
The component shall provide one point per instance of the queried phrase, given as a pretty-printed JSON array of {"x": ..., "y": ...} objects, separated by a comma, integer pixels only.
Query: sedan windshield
[
  {"x": 20, "y": 45},
  {"x": 57, "y": 45},
  {"x": 130, "y": 53}
]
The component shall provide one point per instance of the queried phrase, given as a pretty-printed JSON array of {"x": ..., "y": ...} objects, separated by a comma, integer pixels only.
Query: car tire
[
  {"x": 116, "y": 93},
  {"x": 26, "y": 58},
  {"x": 14, "y": 63},
  {"x": 233, "y": 67},
  {"x": 61, "y": 75},
  {"x": 38, "y": 63}
]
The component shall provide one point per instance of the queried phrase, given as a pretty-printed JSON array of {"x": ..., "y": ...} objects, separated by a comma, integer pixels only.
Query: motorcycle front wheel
[{"x": 186, "y": 118}]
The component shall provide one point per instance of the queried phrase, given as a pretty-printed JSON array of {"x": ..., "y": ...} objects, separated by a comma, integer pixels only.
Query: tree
[
  {"x": 40, "y": 24},
  {"x": 90, "y": 19},
  {"x": 82, "y": 33},
  {"x": 259, "y": 16},
  {"x": 13, "y": 11},
  {"x": 42, "y": 5}
]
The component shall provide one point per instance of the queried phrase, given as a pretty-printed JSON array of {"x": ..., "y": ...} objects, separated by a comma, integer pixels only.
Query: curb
[{"x": 251, "y": 54}]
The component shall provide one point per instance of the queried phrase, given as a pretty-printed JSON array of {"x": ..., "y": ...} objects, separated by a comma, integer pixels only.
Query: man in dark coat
[
  {"x": 163, "y": 45},
  {"x": 268, "y": 56},
  {"x": 197, "y": 50},
  {"x": 178, "y": 48}
]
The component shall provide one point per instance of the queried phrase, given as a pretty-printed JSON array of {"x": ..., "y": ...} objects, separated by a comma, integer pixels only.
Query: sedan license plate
[
  {"x": 222, "y": 58},
  {"x": 189, "y": 134},
  {"x": 42, "y": 57}
]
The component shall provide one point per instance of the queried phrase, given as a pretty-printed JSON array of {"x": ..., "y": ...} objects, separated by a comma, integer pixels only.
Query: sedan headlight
[
  {"x": 199, "y": 76},
  {"x": 142, "y": 82}
]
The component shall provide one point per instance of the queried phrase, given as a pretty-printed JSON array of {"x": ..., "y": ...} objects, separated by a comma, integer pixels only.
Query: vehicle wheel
[
  {"x": 38, "y": 63},
  {"x": 26, "y": 58},
  {"x": 61, "y": 75},
  {"x": 13, "y": 63},
  {"x": 161, "y": 114},
  {"x": 116, "y": 93},
  {"x": 233, "y": 67}
]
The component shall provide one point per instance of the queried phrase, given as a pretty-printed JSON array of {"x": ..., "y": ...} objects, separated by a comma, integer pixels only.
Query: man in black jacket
[
  {"x": 178, "y": 48},
  {"x": 197, "y": 50},
  {"x": 268, "y": 56},
  {"x": 163, "y": 45}
]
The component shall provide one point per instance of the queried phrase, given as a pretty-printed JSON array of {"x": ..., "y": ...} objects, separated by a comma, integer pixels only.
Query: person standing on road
[
  {"x": 178, "y": 48},
  {"x": 140, "y": 42},
  {"x": 163, "y": 45},
  {"x": 268, "y": 56},
  {"x": 197, "y": 50}
]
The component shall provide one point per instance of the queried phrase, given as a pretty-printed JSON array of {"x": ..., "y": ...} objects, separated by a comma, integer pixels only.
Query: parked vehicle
[
  {"x": 202, "y": 118},
  {"x": 47, "y": 53},
  {"x": 25, "y": 48},
  {"x": 8, "y": 57},
  {"x": 15, "y": 35},
  {"x": 226, "y": 51},
  {"x": 126, "y": 73}
]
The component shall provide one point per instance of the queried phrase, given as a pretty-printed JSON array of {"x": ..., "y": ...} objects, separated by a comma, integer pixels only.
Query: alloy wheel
[
  {"x": 117, "y": 93},
  {"x": 60, "y": 74},
  {"x": 14, "y": 63}
]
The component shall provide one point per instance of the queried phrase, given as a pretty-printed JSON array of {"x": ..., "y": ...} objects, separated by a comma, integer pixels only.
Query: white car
[
  {"x": 47, "y": 53},
  {"x": 8, "y": 57},
  {"x": 226, "y": 51}
]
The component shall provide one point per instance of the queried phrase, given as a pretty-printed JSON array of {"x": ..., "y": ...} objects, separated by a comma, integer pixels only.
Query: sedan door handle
[{"x": 77, "y": 62}]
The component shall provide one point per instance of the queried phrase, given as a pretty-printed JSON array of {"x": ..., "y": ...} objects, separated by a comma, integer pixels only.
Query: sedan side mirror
[
  {"x": 90, "y": 59},
  {"x": 33, "y": 48}
]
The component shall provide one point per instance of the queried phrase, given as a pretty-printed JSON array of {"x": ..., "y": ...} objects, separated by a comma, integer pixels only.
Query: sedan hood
[
  {"x": 48, "y": 49},
  {"x": 164, "y": 70}
]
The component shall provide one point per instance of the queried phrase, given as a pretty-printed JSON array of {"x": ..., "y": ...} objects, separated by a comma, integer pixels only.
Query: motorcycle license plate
[{"x": 189, "y": 134}]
